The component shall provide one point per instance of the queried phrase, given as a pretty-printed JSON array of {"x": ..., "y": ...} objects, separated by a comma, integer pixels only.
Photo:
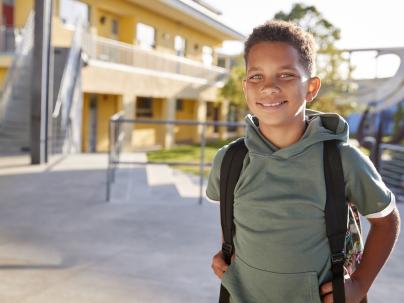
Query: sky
[{"x": 363, "y": 24}]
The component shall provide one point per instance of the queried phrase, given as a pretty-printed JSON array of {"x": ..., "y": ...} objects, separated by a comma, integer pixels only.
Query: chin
[{"x": 269, "y": 121}]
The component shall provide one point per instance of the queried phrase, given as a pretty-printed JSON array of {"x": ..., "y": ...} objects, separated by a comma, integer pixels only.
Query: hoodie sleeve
[
  {"x": 213, "y": 189},
  {"x": 364, "y": 186}
]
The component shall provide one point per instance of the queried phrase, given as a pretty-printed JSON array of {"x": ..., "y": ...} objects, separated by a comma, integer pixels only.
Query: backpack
[{"x": 343, "y": 225}]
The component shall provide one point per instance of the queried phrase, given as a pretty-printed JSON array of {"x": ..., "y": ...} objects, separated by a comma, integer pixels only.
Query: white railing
[
  {"x": 102, "y": 49},
  {"x": 24, "y": 44},
  {"x": 68, "y": 78},
  {"x": 66, "y": 101}
]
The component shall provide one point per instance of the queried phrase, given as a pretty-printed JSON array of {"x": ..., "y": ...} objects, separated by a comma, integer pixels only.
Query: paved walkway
[{"x": 61, "y": 242}]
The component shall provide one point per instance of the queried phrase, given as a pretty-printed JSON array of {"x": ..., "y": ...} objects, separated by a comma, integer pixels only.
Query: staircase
[
  {"x": 65, "y": 104},
  {"x": 15, "y": 97}
]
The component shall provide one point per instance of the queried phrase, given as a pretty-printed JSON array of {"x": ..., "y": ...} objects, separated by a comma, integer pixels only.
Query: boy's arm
[{"x": 382, "y": 236}]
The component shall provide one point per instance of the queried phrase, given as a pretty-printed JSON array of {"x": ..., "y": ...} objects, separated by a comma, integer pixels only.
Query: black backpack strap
[
  {"x": 336, "y": 214},
  {"x": 230, "y": 170},
  {"x": 330, "y": 122}
]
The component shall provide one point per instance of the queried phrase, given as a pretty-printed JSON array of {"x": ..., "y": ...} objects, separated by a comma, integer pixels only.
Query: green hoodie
[{"x": 282, "y": 251}]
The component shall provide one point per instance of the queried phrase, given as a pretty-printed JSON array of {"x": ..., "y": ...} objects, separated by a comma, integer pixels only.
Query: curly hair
[{"x": 282, "y": 31}]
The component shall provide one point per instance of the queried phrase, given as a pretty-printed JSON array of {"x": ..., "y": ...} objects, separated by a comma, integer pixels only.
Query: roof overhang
[{"x": 192, "y": 14}]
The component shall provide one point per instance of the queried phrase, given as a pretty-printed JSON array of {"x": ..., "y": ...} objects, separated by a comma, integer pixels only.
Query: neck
[{"x": 285, "y": 135}]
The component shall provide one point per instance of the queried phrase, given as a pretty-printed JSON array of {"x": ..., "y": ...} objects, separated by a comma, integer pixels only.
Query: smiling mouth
[{"x": 272, "y": 105}]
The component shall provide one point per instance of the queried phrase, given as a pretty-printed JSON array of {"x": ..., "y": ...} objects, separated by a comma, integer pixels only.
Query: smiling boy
[{"x": 281, "y": 248}]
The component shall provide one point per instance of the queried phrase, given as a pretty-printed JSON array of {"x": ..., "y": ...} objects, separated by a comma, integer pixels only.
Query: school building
[{"x": 153, "y": 59}]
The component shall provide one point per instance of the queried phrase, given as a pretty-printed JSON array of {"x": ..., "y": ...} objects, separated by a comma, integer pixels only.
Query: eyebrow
[{"x": 253, "y": 69}]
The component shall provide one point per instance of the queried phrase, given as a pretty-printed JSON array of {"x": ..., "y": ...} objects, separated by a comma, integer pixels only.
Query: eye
[
  {"x": 286, "y": 75},
  {"x": 255, "y": 77}
]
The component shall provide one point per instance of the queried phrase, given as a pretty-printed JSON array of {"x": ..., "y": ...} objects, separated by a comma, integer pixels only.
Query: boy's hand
[
  {"x": 219, "y": 266},
  {"x": 353, "y": 291}
]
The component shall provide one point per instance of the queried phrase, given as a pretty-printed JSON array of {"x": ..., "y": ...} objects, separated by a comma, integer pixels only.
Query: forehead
[{"x": 274, "y": 54}]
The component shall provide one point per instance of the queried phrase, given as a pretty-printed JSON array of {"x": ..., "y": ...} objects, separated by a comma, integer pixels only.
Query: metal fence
[
  {"x": 116, "y": 141},
  {"x": 392, "y": 168}
]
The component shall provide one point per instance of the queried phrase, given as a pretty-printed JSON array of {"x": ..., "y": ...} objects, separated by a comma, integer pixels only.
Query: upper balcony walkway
[{"x": 149, "y": 61}]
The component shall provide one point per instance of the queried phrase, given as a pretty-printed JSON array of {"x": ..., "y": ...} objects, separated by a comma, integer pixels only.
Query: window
[
  {"x": 207, "y": 55},
  {"x": 179, "y": 104},
  {"x": 114, "y": 27},
  {"x": 71, "y": 11},
  {"x": 144, "y": 107},
  {"x": 145, "y": 36},
  {"x": 221, "y": 62},
  {"x": 180, "y": 46}
]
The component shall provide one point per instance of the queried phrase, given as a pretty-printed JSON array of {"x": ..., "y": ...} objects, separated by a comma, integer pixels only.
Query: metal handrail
[
  {"x": 116, "y": 141},
  {"x": 23, "y": 47},
  {"x": 392, "y": 168},
  {"x": 68, "y": 77},
  {"x": 399, "y": 148},
  {"x": 67, "y": 95}
]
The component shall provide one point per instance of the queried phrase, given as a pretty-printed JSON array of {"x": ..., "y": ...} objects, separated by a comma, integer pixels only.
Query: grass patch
[{"x": 188, "y": 153}]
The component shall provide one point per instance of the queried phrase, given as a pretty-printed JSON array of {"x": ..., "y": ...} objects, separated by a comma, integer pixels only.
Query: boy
[{"x": 281, "y": 248}]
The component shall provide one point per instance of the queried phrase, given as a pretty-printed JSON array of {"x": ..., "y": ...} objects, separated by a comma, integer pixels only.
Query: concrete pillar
[
  {"x": 200, "y": 116},
  {"x": 169, "y": 114},
  {"x": 40, "y": 82},
  {"x": 129, "y": 112}
]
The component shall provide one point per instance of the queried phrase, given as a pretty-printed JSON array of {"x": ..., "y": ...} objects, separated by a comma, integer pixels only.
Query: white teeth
[{"x": 272, "y": 104}]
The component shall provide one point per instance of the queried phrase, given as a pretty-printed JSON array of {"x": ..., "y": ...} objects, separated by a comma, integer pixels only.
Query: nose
[{"x": 270, "y": 87}]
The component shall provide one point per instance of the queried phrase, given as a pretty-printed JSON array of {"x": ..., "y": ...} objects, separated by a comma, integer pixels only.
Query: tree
[
  {"x": 233, "y": 90},
  {"x": 329, "y": 62}
]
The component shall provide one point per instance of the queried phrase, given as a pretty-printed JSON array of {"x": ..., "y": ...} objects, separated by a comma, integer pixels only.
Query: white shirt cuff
[
  {"x": 386, "y": 211},
  {"x": 212, "y": 201}
]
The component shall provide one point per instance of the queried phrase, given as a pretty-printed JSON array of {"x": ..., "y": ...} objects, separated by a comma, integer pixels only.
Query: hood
[{"x": 316, "y": 131}]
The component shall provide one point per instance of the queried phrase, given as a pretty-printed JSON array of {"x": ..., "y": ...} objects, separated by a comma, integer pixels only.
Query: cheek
[
  {"x": 250, "y": 98},
  {"x": 251, "y": 90},
  {"x": 296, "y": 90}
]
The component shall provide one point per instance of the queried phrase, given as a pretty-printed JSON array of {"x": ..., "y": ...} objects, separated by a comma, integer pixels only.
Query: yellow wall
[
  {"x": 185, "y": 132},
  {"x": 127, "y": 29},
  {"x": 3, "y": 74},
  {"x": 61, "y": 36},
  {"x": 21, "y": 11},
  {"x": 107, "y": 105},
  {"x": 129, "y": 14},
  {"x": 105, "y": 27},
  {"x": 5, "y": 62},
  {"x": 150, "y": 134}
]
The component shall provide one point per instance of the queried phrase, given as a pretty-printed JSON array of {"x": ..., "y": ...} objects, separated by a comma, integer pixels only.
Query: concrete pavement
[{"x": 61, "y": 242}]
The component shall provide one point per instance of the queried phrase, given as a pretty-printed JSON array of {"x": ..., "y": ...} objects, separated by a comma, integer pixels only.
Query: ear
[
  {"x": 244, "y": 83},
  {"x": 313, "y": 87}
]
